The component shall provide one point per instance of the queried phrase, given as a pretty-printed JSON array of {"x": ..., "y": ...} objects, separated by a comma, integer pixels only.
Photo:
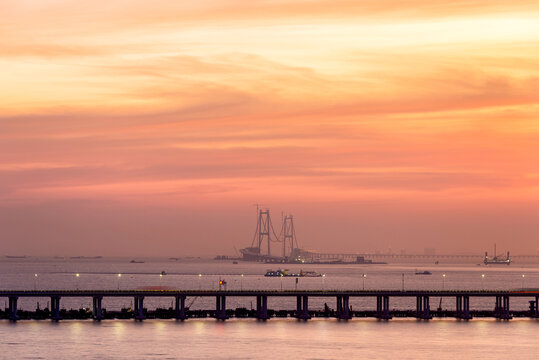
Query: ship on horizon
[{"x": 496, "y": 260}]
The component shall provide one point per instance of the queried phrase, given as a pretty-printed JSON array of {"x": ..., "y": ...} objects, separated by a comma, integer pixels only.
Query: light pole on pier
[
  {"x": 363, "y": 276},
  {"x": 522, "y": 282},
  {"x": 323, "y": 282},
  {"x": 161, "y": 281},
  {"x": 402, "y": 281},
  {"x": 77, "y": 275},
  {"x": 199, "y": 285},
  {"x": 241, "y": 283},
  {"x": 35, "y": 281},
  {"x": 281, "y": 282},
  {"x": 119, "y": 277},
  {"x": 443, "y": 282},
  {"x": 483, "y": 281}
]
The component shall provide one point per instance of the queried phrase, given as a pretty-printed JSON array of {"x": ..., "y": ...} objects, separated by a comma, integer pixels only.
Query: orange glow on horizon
[{"x": 303, "y": 102}]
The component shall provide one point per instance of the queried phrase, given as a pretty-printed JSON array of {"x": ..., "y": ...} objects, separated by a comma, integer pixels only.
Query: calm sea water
[{"x": 274, "y": 339}]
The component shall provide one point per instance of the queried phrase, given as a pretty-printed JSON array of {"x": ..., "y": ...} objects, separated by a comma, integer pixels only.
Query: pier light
[
  {"x": 522, "y": 282},
  {"x": 35, "y": 281},
  {"x": 119, "y": 277},
  {"x": 363, "y": 276},
  {"x": 443, "y": 281},
  {"x": 241, "y": 283},
  {"x": 77, "y": 274},
  {"x": 199, "y": 285},
  {"x": 482, "y": 281},
  {"x": 323, "y": 282}
]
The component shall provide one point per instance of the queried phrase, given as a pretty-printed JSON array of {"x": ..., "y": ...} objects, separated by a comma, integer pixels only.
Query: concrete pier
[
  {"x": 302, "y": 308},
  {"x": 139, "y": 308},
  {"x": 534, "y": 308},
  {"x": 262, "y": 307},
  {"x": 180, "y": 308},
  {"x": 423, "y": 308},
  {"x": 97, "y": 313},
  {"x": 500, "y": 299},
  {"x": 502, "y": 308},
  {"x": 343, "y": 307},
  {"x": 55, "y": 308},
  {"x": 220, "y": 307},
  {"x": 13, "y": 308},
  {"x": 463, "y": 307},
  {"x": 382, "y": 307}
]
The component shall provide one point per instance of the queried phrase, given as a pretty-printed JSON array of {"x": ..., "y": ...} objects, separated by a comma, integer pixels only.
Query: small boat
[
  {"x": 136, "y": 262},
  {"x": 163, "y": 272},
  {"x": 426, "y": 272}
]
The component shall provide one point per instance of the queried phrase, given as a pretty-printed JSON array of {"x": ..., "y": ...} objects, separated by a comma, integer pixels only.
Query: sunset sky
[{"x": 132, "y": 127}]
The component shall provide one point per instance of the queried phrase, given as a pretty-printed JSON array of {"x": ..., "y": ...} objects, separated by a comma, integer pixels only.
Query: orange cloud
[{"x": 188, "y": 105}]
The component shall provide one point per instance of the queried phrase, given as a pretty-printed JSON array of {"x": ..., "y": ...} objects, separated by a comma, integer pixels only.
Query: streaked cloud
[{"x": 196, "y": 105}]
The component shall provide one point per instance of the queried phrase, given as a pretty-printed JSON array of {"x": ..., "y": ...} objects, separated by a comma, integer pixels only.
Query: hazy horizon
[{"x": 136, "y": 128}]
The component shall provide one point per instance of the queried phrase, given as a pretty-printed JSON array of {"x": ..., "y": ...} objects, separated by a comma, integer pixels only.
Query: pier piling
[
  {"x": 55, "y": 308},
  {"x": 13, "y": 308},
  {"x": 343, "y": 307},
  {"x": 262, "y": 307},
  {"x": 423, "y": 308},
  {"x": 139, "y": 308},
  {"x": 220, "y": 307},
  {"x": 382, "y": 307},
  {"x": 96, "y": 309},
  {"x": 180, "y": 308},
  {"x": 502, "y": 308},
  {"x": 302, "y": 309},
  {"x": 463, "y": 307}
]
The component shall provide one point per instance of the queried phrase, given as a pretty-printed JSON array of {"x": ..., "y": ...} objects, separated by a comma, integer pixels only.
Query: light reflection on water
[{"x": 274, "y": 339}]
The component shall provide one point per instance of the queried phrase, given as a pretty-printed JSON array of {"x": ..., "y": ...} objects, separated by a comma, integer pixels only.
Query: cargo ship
[
  {"x": 496, "y": 260},
  {"x": 285, "y": 273}
]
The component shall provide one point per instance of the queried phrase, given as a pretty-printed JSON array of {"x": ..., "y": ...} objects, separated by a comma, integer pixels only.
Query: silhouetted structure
[
  {"x": 343, "y": 309},
  {"x": 265, "y": 234}
]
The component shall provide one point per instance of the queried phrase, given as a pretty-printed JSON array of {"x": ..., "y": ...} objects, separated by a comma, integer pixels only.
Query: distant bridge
[{"x": 311, "y": 256}]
